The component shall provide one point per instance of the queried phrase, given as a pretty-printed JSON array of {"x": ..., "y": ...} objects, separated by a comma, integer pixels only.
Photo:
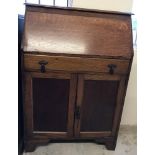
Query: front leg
[
  {"x": 30, "y": 145},
  {"x": 109, "y": 142},
  {"x": 110, "y": 145}
]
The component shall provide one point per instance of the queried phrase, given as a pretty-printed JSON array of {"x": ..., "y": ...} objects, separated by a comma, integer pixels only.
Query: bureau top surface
[{"x": 77, "y": 32}]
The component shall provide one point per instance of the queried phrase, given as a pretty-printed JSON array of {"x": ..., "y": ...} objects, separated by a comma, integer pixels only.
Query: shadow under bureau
[{"x": 76, "y": 65}]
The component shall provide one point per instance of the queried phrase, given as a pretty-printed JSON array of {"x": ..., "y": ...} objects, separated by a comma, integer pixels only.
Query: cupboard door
[
  {"x": 98, "y": 104},
  {"x": 51, "y": 103}
]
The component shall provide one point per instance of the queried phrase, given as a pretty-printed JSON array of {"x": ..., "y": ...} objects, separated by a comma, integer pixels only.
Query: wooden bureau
[{"x": 76, "y": 65}]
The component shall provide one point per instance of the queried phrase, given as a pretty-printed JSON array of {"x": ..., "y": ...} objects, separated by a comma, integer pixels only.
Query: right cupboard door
[{"x": 98, "y": 107}]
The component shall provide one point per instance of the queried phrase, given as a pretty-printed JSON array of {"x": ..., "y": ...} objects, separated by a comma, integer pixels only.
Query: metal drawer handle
[
  {"x": 111, "y": 68},
  {"x": 42, "y": 66}
]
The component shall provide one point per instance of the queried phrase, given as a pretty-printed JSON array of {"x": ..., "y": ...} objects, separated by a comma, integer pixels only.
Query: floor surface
[{"x": 126, "y": 145}]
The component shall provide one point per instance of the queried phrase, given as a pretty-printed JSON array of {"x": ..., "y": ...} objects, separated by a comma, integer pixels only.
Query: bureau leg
[
  {"x": 31, "y": 145},
  {"x": 110, "y": 145}
]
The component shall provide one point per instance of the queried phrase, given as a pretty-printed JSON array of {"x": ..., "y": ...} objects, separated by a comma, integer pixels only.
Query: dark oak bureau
[{"x": 76, "y": 65}]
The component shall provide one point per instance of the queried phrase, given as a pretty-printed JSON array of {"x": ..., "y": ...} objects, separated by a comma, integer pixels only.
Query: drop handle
[
  {"x": 42, "y": 64},
  {"x": 111, "y": 68}
]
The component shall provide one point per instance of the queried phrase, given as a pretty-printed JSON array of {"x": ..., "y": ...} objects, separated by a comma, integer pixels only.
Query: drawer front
[{"x": 74, "y": 64}]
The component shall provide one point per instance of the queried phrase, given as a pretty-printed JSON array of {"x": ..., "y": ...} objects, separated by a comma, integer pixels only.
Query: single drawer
[{"x": 74, "y": 64}]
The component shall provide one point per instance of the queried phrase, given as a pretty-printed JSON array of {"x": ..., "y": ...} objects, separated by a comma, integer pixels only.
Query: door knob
[{"x": 42, "y": 64}]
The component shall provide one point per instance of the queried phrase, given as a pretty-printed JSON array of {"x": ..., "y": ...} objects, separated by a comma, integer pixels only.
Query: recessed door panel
[
  {"x": 98, "y": 106},
  {"x": 50, "y": 104}
]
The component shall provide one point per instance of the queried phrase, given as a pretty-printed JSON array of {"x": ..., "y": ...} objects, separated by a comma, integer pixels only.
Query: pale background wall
[
  {"x": 116, "y": 5},
  {"x": 130, "y": 108}
]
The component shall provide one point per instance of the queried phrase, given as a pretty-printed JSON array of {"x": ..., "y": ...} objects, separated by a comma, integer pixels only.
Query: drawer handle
[
  {"x": 42, "y": 65},
  {"x": 111, "y": 68}
]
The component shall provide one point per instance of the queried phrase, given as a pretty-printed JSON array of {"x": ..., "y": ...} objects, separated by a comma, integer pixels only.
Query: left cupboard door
[{"x": 49, "y": 104}]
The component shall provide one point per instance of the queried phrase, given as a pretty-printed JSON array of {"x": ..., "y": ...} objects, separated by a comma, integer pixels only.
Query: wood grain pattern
[
  {"x": 28, "y": 110},
  {"x": 72, "y": 102},
  {"x": 82, "y": 33},
  {"x": 118, "y": 105},
  {"x": 102, "y": 77},
  {"x": 80, "y": 89},
  {"x": 74, "y": 64},
  {"x": 56, "y": 75},
  {"x": 48, "y": 135},
  {"x": 95, "y": 134}
]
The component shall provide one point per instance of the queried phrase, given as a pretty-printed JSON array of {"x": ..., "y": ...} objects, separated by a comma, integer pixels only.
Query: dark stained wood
[
  {"x": 30, "y": 145},
  {"x": 110, "y": 145},
  {"x": 71, "y": 108},
  {"x": 78, "y": 46},
  {"x": 74, "y": 64},
  {"x": 119, "y": 105},
  {"x": 52, "y": 135},
  {"x": 106, "y": 77},
  {"x": 79, "y": 33},
  {"x": 76, "y": 55},
  {"x": 28, "y": 107},
  {"x": 43, "y": 99},
  {"x": 50, "y": 104},
  {"x": 56, "y": 75},
  {"x": 96, "y": 134},
  {"x": 125, "y": 81},
  {"x": 78, "y": 104},
  {"x": 98, "y": 104}
]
